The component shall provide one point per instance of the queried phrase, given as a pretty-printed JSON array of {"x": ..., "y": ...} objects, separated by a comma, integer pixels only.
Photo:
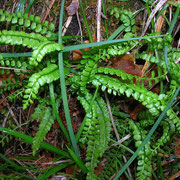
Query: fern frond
[
  {"x": 173, "y": 117},
  {"x": 99, "y": 138},
  {"x": 44, "y": 127},
  {"x": 96, "y": 131},
  {"x": 146, "y": 118},
  {"x": 29, "y": 22},
  {"x": 106, "y": 52},
  {"x": 43, "y": 49},
  {"x": 90, "y": 120},
  {"x": 168, "y": 129},
  {"x": 88, "y": 74},
  {"x": 153, "y": 59},
  {"x": 148, "y": 99},
  {"x": 9, "y": 84},
  {"x": 159, "y": 42},
  {"x": 111, "y": 164},
  {"x": 144, "y": 156},
  {"x": 31, "y": 40},
  {"x": 14, "y": 62},
  {"x": 47, "y": 75},
  {"x": 125, "y": 76}
]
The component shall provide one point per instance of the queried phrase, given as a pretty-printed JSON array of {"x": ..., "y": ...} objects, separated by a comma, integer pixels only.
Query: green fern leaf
[
  {"x": 43, "y": 49},
  {"x": 44, "y": 127},
  {"x": 47, "y": 75},
  {"x": 31, "y": 40}
]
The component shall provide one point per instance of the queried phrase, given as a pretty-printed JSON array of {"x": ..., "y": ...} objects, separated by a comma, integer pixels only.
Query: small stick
[
  {"x": 99, "y": 21},
  {"x": 77, "y": 14},
  {"x": 111, "y": 116},
  {"x": 66, "y": 25},
  {"x": 48, "y": 9},
  {"x": 11, "y": 112},
  {"x": 128, "y": 169},
  {"x": 14, "y": 69}
]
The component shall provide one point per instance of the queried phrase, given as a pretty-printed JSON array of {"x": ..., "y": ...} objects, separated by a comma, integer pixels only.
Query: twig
[
  {"x": 48, "y": 9},
  {"x": 111, "y": 116},
  {"x": 77, "y": 14},
  {"x": 11, "y": 112},
  {"x": 5, "y": 119},
  {"x": 158, "y": 27},
  {"x": 174, "y": 176},
  {"x": 99, "y": 20},
  {"x": 128, "y": 169},
  {"x": 120, "y": 141},
  {"x": 66, "y": 25},
  {"x": 154, "y": 11},
  {"x": 14, "y": 69}
]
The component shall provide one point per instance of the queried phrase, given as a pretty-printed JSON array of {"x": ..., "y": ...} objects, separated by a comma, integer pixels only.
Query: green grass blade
[
  {"x": 63, "y": 85},
  {"x": 94, "y": 44},
  {"x": 29, "y": 6},
  {"x": 126, "y": 174},
  {"x": 105, "y": 22},
  {"x": 82, "y": 46},
  {"x": 174, "y": 20},
  {"x": 147, "y": 138},
  {"x": 29, "y": 140},
  {"x": 54, "y": 170},
  {"x": 5, "y": 55},
  {"x": 161, "y": 13},
  {"x": 13, "y": 164},
  {"x": 166, "y": 58},
  {"x": 85, "y": 21},
  {"x": 123, "y": 146},
  {"x": 149, "y": 13},
  {"x": 20, "y": 6},
  {"x": 78, "y": 161},
  {"x": 53, "y": 103}
]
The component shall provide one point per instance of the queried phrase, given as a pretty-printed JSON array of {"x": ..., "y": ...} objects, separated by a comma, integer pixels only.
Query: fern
[
  {"x": 44, "y": 127},
  {"x": 144, "y": 156},
  {"x": 16, "y": 95},
  {"x": 88, "y": 74},
  {"x": 27, "y": 21},
  {"x": 126, "y": 17},
  {"x": 119, "y": 49},
  {"x": 98, "y": 144},
  {"x": 47, "y": 75},
  {"x": 31, "y": 40},
  {"x": 168, "y": 130},
  {"x": 132, "y": 78},
  {"x": 43, "y": 49},
  {"x": 172, "y": 116},
  {"x": 158, "y": 43},
  {"x": 153, "y": 59},
  {"x": 45, "y": 114},
  {"x": 96, "y": 131},
  {"x": 14, "y": 62},
  {"x": 10, "y": 84},
  {"x": 148, "y": 99},
  {"x": 113, "y": 157},
  {"x": 146, "y": 118}
]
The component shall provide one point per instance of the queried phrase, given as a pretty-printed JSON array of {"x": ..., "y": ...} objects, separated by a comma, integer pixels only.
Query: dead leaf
[
  {"x": 99, "y": 169},
  {"x": 70, "y": 170},
  {"x": 135, "y": 112},
  {"x": 177, "y": 147},
  {"x": 126, "y": 63}
]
